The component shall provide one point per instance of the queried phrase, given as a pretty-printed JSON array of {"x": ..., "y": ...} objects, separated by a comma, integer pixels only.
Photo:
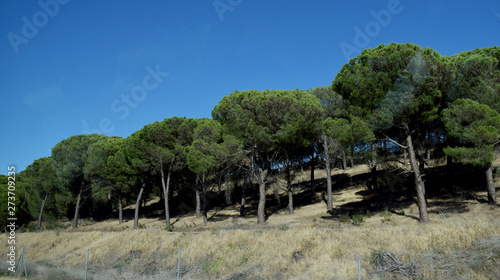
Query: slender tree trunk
[
  {"x": 205, "y": 218},
  {"x": 352, "y": 156},
  {"x": 313, "y": 163},
  {"x": 166, "y": 188},
  {"x": 490, "y": 184},
  {"x": 138, "y": 205},
  {"x": 289, "y": 189},
  {"x": 344, "y": 162},
  {"x": 419, "y": 183},
  {"x": 374, "y": 168},
  {"x": 329, "y": 205},
  {"x": 198, "y": 203},
  {"x": 120, "y": 208},
  {"x": 328, "y": 168},
  {"x": 77, "y": 206},
  {"x": 261, "y": 209},
  {"x": 243, "y": 200},
  {"x": 41, "y": 211},
  {"x": 405, "y": 153}
]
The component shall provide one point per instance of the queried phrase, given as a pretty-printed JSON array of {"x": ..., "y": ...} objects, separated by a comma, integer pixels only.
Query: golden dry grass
[
  {"x": 308, "y": 245},
  {"x": 302, "y": 246}
]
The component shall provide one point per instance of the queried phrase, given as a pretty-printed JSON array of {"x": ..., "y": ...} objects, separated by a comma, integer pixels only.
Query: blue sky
[{"x": 70, "y": 67}]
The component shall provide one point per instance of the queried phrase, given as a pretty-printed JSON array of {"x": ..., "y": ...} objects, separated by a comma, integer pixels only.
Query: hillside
[{"x": 461, "y": 242}]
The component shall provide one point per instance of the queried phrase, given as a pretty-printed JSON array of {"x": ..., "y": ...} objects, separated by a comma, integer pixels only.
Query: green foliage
[
  {"x": 41, "y": 181},
  {"x": 354, "y": 132},
  {"x": 330, "y": 100},
  {"x": 358, "y": 219},
  {"x": 476, "y": 76},
  {"x": 266, "y": 121},
  {"x": 18, "y": 198},
  {"x": 394, "y": 84},
  {"x": 202, "y": 155},
  {"x": 476, "y": 127}
]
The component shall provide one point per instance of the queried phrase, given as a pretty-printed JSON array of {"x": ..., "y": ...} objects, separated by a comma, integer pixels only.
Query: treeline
[{"x": 394, "y": 99}]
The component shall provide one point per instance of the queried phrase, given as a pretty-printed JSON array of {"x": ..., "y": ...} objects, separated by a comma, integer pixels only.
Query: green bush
[{"x": 358, "y": 219}]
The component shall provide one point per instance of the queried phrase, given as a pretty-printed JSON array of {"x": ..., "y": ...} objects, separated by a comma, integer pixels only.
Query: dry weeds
[{"x": 308, "y": 245}]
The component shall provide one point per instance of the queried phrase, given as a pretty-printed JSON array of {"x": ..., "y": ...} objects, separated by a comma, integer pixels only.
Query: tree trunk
[
  {"x": 405, "y": 153},
  {"x": 166, "y": 188},
  {"x": 261, "y": 209},
  {"x": 243, "y": 201},
  {"x": 41, "y": 211},
  {"x": 490, "y": 184},
  {"x": 313, "y": 163},
  {"x": 77, "y": 206},
  {"x": 344, "y": 162},
  {"x": 352, "y": 156},
  {"x": 289, "y": 189},
  {"x": 120, "y": 209},
  {"x": 205, "y": 219},
  {"x": 198, "y": 203},
  {"x": 138, "y": 205},
  {"x": 328, "y": 168},
  {"x": 419, "y": 183},
  {"x": 374, "y": 168}
]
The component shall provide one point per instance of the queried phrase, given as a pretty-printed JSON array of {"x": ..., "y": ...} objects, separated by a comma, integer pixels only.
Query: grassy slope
[{"x": 461, "y": 242}]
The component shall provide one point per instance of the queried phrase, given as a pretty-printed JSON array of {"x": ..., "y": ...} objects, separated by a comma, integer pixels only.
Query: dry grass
[{"x": 458, "y": 244}]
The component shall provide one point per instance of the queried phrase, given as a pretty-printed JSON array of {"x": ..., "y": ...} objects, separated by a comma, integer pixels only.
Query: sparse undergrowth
[{"x": 464, "y": 245}]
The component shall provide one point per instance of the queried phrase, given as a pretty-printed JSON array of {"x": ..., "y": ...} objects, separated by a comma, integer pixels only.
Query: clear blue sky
[{"x": 69, "y": 67}]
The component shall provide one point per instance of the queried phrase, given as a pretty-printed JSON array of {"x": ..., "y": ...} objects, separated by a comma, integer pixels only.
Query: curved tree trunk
[
  {"x": 138, "y": 205},
  {"x": 419, "y": 183},
  {"x": 41, "y": 211},
  {"x": 490, "y": 184},
  {"x": 77, "y": 206}
]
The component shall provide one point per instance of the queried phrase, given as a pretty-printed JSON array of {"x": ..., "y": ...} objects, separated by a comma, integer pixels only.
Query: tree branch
[{"x": 394, "y": 142}]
